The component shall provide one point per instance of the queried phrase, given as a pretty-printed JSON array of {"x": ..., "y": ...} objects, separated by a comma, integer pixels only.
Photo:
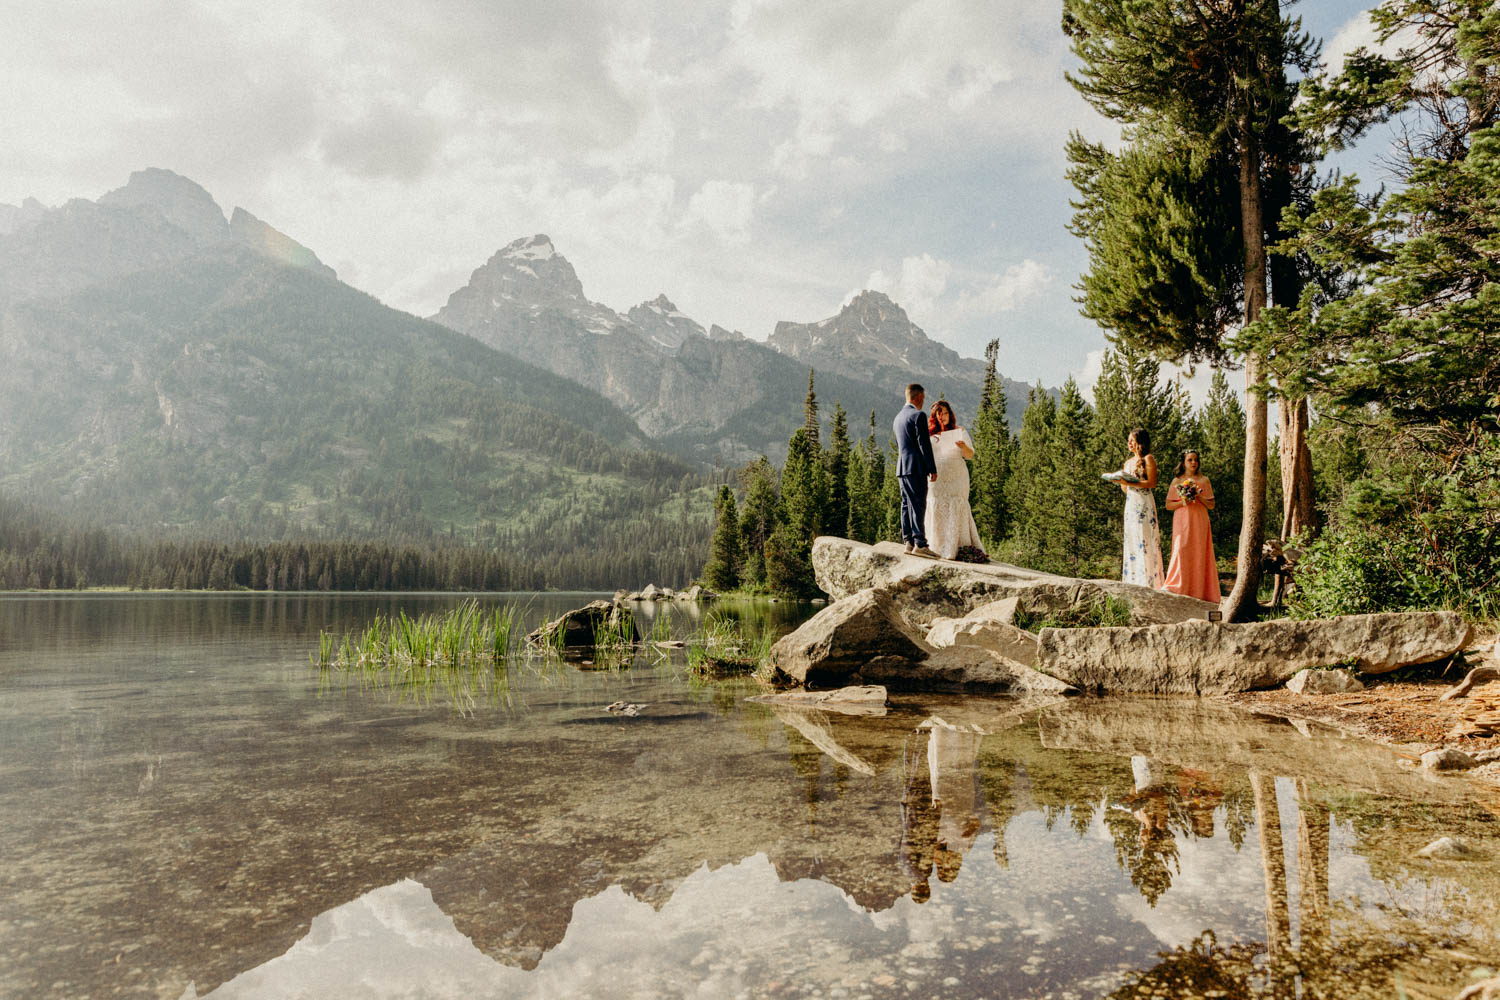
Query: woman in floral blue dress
[{"x": 1142, "y": 558}]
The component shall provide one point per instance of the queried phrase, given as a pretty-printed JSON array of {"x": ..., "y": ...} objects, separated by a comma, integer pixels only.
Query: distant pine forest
[{"x": 43, "y": 551}]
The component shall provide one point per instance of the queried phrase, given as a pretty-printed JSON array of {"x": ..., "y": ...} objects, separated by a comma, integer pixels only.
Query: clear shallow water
[{"x": 188, "y": 809}]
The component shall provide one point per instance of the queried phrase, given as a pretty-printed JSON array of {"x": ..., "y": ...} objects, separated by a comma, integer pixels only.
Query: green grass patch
[
  {"x": 464, "y": 652},
  {"x": 1106, "y": 612},
  {"x": 723, "y": 649}
]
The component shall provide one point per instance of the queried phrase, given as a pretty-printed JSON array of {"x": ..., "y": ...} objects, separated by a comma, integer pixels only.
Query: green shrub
[{"x": 1408, "y": 539}]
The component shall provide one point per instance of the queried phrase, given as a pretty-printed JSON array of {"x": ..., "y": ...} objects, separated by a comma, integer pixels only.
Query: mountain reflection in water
[{"x": 187, "y": 815}]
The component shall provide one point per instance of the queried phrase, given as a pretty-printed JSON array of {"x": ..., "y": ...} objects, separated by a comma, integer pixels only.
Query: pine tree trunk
[
  {"x": 1298, "y": 512},
  {"x": 1241, "y": 604}
]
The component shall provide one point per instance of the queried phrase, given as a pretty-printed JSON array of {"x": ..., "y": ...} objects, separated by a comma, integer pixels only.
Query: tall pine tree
[
  {"x": 1029, "y": 488},
  {"x": 836, "y": 519},
  {"x": 724, "y": 556},
  {"x": 1211, "y": 81},
  {"x": 992, "y": 454}
]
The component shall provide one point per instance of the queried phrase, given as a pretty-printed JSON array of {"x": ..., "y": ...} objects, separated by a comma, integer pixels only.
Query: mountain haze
[{"x": 195, "y": 377}]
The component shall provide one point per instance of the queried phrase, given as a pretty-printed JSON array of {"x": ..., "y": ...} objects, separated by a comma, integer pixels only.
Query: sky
[{"x": 754, "y": 160}]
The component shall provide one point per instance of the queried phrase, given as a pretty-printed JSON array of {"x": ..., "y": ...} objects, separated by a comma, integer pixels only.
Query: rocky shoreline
[
  {"x": 913, "y": 623},
  {"x": 917, "y": 625}
]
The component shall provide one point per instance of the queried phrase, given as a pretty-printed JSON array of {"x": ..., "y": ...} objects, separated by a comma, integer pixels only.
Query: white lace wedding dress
[{"x": 949, "y": 523}]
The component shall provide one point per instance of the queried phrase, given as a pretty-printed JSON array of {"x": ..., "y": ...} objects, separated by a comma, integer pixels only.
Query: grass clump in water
[
  {"x": 722, "y": 649},
  {"x": 463, "y": 651}
]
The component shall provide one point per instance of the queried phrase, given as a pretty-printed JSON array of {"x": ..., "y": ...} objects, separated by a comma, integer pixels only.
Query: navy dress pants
[{"x": 913, "y": 509}]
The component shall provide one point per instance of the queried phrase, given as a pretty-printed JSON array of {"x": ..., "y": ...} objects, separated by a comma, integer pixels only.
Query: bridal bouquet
[
  {"x": 1187, "y": 491},
  {"x": 1120, "y": 476},
  {"x": 970, "y": 554}
]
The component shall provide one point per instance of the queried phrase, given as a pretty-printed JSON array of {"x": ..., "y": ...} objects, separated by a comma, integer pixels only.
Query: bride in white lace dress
[{"x": 949, "y": 522}]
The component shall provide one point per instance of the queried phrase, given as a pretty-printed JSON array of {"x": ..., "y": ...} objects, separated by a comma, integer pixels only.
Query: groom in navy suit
[{"x": 915, "y": 468}]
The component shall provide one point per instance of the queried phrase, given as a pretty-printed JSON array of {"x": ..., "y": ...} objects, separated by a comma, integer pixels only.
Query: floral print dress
[{"x": 1142, "y": 563}]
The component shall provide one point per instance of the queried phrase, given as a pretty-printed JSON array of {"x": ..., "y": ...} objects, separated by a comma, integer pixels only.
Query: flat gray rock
[
  {"x": 1201, "y": 657},
  {"x": 997, "y": 637},
  {"x": 1310, "y": 681},
  {"x": 863, "y": 699},
  {"x": 865, "y": 639},
  {"x": 925, "y": 589}
]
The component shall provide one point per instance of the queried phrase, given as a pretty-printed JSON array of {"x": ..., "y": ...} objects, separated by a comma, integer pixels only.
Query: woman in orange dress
[{"x": 1193, "y": 571}]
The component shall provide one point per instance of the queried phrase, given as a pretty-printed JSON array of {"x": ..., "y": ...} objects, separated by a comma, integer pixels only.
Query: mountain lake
[{"x": 190, "y": 808}]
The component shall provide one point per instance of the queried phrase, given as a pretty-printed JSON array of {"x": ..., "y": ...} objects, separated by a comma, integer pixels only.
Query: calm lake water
[{"x": 188, "y": 809}]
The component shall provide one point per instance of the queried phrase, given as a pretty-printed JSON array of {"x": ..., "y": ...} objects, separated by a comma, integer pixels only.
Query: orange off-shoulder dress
[{"x": 1193, "y": 571}]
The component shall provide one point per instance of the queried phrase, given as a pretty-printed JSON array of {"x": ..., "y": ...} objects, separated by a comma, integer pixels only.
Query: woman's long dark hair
[
  {"x": 1144, "y": 437},
  {"x": 932, "y": 421},
  {"x": 1182, "y": 463}
]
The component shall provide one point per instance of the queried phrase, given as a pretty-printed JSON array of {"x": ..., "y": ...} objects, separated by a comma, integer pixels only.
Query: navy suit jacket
[{"x": 913, "y": 443}]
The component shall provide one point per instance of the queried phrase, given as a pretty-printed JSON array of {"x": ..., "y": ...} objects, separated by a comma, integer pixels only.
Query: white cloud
[
  {"x": 752, "y": 158},
  {"x": 724, "y": 207},
  {"x": 1359, "y": 32},
  {"x": 917, "y": 288},
  {"x": 1007, "y": 292}
]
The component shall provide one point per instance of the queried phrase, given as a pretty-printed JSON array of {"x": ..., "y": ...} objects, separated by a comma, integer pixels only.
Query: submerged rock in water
[
  {"x": 580, "y": 627},
  {"x": 1448, "y": 849},
  {"x": 1200, "y": 657},
  {"x": 1448, "y": 759},
  {"x": 925, "y": 589},
  {"x": 865, "y": 699},
  {"x": 1323, "y": 682}
]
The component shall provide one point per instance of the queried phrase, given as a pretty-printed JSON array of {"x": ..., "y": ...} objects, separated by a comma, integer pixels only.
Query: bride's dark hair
[
  {"x": 1182, "y": 463},
  {"x": 932, "y": 421}
]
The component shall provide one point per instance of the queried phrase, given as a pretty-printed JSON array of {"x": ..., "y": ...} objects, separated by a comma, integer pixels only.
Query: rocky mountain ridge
[
  {"x": 872, "y": 337},
  {"x": 715, "y": 395},
  {"x": 168, "y": 370},
  {"x": 157, "y": 219}
]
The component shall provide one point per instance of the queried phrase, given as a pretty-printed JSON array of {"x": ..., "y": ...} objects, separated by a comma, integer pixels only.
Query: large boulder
[
  {"x": 864, "y": 639},
  {"x": 925, "y": 589},
  {"x": 997, "y": 637},
  {"x": 1199, "y": 657},
  {"x": 580, "y": 626},
  {"x": 843, "y": 642}
]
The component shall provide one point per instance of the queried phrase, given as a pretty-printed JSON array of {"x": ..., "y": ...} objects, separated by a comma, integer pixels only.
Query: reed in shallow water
[
  {"x": 464, "y": 651},
  {"x": 723, "y": 648}
]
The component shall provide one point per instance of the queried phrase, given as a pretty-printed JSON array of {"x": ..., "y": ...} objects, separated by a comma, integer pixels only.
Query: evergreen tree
[
  {"x": 890, "y": 496},
  {"x": 810, "y": 422},
  {"x": 1029, "y": 489},
  {"x": 1067, "y": 516},
  {"x": 1221, "y": 427},
  {"x": 1209, "y": 80},
  {"x": 804, "y": 503},
  {"x": 857, "y": 483},
  {"x": 992, "y": 453},
  {"x": 789, "y": 562},
  {"x": 866, "y": 489},
  {"x": 1416, "y": 345},
  {"x": 1130, "y": 394},
  {"x": 837, "y": 459},
  {"x": 758, "y": 519},
  {"x": 724, "y": 555}
]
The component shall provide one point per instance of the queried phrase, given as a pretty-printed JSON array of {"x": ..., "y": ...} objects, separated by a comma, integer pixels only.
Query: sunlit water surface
[{"x": 188, "y": 808}]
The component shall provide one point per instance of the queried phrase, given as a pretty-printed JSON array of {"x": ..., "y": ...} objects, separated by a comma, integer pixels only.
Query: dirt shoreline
[{"x": 1405, "y": 715}]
